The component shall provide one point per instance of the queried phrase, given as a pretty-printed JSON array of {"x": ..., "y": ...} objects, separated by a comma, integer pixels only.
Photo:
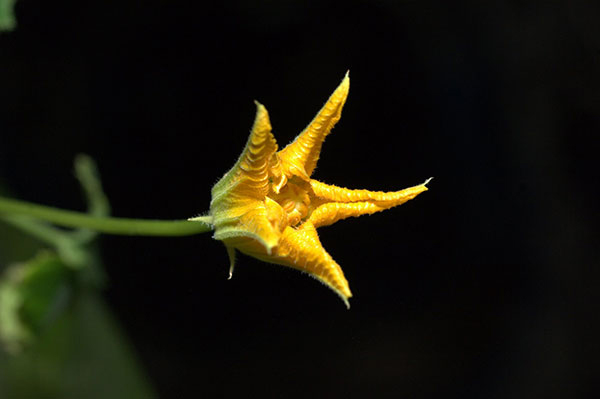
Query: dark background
[{"x": 485, "y": 286}]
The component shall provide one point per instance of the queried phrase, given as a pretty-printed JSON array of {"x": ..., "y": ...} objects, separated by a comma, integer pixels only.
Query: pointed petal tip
[
  {"x": 342, "y": 292},
  {"x": 259, "y": 106},
  {"x": 261, "y": 110},
  {"x": 346, "y": 81},
  {"x": 346, "y": 303},
  {"x": 261, "y": 119},
  {"x": 344, "y": 295},
  {"x": 341, "y": 92},
  {"x": 427, "y": 182},
  {"x": 231, "y": 256}
]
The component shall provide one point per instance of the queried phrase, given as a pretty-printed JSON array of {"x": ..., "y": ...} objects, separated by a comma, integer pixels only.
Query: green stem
[{"x": 121, "y": 226}]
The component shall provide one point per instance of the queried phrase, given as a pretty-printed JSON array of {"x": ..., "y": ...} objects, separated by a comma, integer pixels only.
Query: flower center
[{"x": 294, "y": 200}]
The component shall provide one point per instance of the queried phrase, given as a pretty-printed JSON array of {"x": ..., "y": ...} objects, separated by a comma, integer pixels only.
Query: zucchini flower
[{"x": 267, "y": 206}]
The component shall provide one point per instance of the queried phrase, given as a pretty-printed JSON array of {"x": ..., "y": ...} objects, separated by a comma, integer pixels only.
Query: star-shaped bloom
[{"x": 268, "y": 207}]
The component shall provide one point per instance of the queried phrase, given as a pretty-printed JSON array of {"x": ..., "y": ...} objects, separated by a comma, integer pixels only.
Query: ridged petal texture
[
  {"x": 268, "y": 207},
  {"x": 303, "y": 153}
]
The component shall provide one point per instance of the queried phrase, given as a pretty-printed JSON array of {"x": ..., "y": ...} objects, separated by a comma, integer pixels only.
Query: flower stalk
[{"x": 108, "y": 225}]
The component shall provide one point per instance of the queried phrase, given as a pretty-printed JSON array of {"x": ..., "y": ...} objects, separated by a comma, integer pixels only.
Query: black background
[{"x": 484, "y": 286}]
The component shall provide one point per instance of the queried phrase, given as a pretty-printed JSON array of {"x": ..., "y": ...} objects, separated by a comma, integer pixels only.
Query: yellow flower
[{"x": 268, "y": 207}]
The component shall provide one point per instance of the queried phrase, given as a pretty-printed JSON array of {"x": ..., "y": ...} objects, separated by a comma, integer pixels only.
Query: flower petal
[
  {"x": 303, "y": 152},
  {"x": 337, "y": 203},
  {"x": 302, "y": 250},
  {"x": 250, "y": 174},
  {"x": 252, "y": 228},
  {"x": 333, "y": 193}
]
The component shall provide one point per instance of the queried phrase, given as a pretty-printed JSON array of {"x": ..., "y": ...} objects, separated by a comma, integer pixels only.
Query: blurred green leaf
[
  {"x": 83, "y": 354},
  {"x": 7, "y": 17},
  {"x": 31, "y": 295},
  {"x": 61, "y": 337}
]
